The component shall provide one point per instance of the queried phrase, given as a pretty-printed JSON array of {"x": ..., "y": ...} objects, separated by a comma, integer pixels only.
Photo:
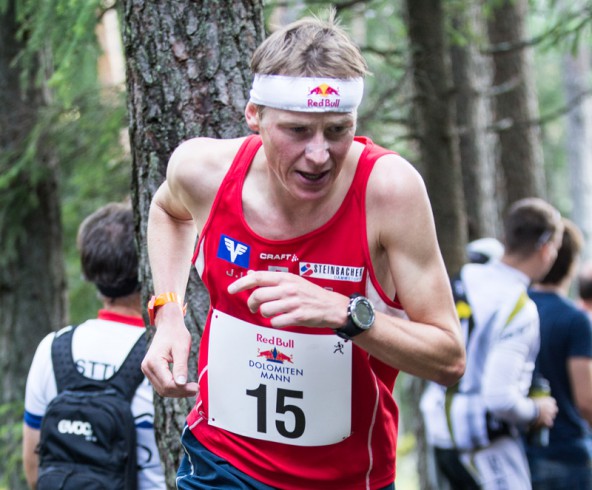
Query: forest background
[{"x": 489, "y": 99}]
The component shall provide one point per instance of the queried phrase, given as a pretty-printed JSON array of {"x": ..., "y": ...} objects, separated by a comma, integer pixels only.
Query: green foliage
[
  {"x": 557, "y": 29},
  {"x": 384, "y": 112},
  {"x": 563, "y": 25},
  {"x": 11, "y": 436},
  {"x": 63, "y": 31},
  {"x": 20, "y": 172},
  {"x": 95, "y": 170},
  {"x": 81, "y": 123}
]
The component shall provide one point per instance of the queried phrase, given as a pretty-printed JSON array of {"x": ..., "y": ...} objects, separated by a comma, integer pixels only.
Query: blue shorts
[{"x": 202, "y": 470}]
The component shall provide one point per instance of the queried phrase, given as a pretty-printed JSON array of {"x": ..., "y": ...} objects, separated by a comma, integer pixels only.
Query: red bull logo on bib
[{"x": 274, "y": 355}]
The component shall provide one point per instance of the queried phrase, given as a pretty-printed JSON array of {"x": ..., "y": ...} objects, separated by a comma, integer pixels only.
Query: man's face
[
  {"x": 305, "y": 151},
  {"x": 549, "y": 252}
]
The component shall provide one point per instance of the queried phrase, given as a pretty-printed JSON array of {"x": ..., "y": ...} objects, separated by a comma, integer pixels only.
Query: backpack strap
[
  {"x": 463, "y": 308},
  {"x": 129, "y": 376},
  {"x": 464, "y": 311},
  {"x": 126, "y": 380}
]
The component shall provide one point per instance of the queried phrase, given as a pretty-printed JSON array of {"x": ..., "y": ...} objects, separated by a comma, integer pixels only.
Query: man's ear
[{"x": 252, "y": 116}]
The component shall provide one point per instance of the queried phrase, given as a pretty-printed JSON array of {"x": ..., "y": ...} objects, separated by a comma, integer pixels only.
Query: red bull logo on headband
[
  {"x": 324, "y": 90},
  {"x": 321, "y": 93}
]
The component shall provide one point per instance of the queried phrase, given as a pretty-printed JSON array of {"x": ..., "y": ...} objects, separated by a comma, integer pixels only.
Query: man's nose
[{"x": 317, "y": 152}]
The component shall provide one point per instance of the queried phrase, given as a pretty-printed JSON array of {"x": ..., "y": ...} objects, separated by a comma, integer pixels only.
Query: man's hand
[
  {"x": 290, "y": 300},
  {"x": 170, "y": 347},
  {"x": 547, "y": 411}
]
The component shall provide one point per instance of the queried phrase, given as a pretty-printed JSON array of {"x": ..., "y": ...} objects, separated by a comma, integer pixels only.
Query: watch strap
[{"x": 350, "y": 329}]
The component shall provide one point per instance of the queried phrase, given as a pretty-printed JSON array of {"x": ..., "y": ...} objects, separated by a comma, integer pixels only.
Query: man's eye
[{"x": 337, "y": 130}]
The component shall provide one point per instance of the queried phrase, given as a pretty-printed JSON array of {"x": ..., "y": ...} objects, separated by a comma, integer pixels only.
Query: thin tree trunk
[
  {"x": 576, "y": 80},
  {"x": 32, "y": 276},
  {"x": 435, "y": 118},
  {"x": 515, "y": 102},
  {"x": 187, "y": 75},
  {"x": 439, "y": 158},
  {"x": 471, "y": 73}
]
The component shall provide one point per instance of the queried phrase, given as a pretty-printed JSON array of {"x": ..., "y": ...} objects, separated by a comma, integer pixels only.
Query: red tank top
[{"x": 334, "y": 256}]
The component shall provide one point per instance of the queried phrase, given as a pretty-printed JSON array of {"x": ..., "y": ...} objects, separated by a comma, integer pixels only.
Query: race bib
[{"x": 278, "y": 386}]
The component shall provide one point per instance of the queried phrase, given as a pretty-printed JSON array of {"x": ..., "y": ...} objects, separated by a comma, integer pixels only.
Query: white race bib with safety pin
[{"x": 278, "y": 386}]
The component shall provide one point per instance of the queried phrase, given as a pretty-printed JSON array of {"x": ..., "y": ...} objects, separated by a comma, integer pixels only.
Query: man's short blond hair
[{"x": 310, "y": 47}]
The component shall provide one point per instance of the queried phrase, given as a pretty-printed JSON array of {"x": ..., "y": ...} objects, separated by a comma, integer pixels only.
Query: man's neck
[
  {"x": 550, "y": 288},
  {"x": 128, "y": 305},
  {"x": 531, "y": 266},
  {"x": 586, "y": 305}
]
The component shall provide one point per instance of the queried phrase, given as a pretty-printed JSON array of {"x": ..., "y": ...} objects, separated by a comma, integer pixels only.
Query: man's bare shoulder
[
  {"x": 395, "y": 182},
  {"x": 396, "y": 189},
  {"x": 206, "y": 153},
  {"x": 202, "y": 161}
]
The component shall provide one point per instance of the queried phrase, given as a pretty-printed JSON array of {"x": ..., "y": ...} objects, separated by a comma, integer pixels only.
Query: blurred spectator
[
  {"x": 585, "y": 287},
  {"x": 565, "y": 359},
  {"x": 474, "y": 425},
  {"x": 100, "y": 345},
  {"x": 483, "y": 250}
]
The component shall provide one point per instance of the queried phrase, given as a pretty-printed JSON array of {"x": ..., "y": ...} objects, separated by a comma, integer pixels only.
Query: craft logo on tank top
[
  {"x": 233, "y": 251},
  {"x": 331, "y": 272}
]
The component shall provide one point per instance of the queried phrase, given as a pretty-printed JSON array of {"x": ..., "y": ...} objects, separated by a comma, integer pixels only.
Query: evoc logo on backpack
[
  {"x": 77, "y": 427},
  {"x": 88, "y": 433}
]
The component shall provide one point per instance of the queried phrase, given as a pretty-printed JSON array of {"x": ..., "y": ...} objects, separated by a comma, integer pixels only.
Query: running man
[{"x": 308, "y": 237}]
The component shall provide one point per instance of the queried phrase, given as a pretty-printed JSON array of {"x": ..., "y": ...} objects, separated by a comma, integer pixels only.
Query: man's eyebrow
[{"x": 342, "y": 121}]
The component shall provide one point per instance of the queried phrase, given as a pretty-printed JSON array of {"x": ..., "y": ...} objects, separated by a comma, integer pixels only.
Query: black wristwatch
[{"x": 360, "y": 317}]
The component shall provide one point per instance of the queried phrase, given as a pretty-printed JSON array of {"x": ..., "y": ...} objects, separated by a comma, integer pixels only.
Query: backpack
[
  {"x": 469, "y": 424},
  {"x": 88, "y": 433}
]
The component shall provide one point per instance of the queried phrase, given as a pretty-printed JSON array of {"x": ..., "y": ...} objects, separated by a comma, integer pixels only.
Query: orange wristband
[{"x": 161, "y": 300}]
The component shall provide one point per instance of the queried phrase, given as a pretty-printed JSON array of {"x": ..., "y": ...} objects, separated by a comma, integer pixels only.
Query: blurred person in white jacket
[{"x": 473, "y": 426}]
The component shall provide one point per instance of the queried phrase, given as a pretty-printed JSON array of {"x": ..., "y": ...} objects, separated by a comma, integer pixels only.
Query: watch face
[{"x": 363, "y": 313}]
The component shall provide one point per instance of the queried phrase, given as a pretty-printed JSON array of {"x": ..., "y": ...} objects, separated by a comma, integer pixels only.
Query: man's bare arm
[
  {"x": 30, "y": 458},
  {"x": 429, "y": 344},
  {"x": 580, "y": 377},
  {"x": 172, "y": 234}
]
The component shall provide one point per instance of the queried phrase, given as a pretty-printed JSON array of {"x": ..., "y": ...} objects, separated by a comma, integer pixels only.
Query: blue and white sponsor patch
[{"x": 233, "y": 251}]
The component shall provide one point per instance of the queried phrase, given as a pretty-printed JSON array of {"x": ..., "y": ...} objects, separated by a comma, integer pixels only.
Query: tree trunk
[
  {"x": 576, "y": 76},
  {"x": 32, "y": 275},
  {"x": 187, "y": 75},
  {"x": 438, "y": 144},
  {"x": 515, "y": 101},
  {"x": 440, "y": 160},
  {"x": 471, "y": 74}
]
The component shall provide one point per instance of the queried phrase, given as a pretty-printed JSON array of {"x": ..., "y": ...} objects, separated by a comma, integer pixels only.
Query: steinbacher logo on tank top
[
  {"x": 239, "y": 253},
  {"x": 331, "y": 272}
]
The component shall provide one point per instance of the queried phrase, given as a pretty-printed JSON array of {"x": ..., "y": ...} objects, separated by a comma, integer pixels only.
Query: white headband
[{"x": 307, "y": 94}]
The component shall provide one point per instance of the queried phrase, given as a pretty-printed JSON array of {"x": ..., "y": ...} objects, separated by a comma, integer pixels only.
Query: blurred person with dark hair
[
  {"x": 584, "y": 287},
  {"x": 565, "y": 360},
  {"x": 100, "y": 345}
]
